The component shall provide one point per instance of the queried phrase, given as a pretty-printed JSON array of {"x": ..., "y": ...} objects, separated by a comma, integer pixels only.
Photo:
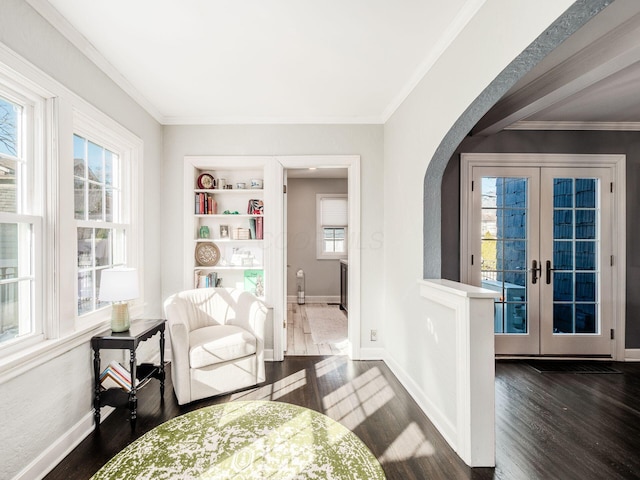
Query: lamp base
[{"x": 120, "y": 317}]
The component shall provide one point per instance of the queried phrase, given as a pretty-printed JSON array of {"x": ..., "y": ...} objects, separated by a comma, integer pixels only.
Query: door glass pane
[
  {"x": 563, "y": 255},
  {"x": 585, "y": 255},
  {"x": 563, "y": 318},
  {"x": 563, "y": 224},
  {"x": 504, "y": 250},
  {"x": 562, "y": 192},
  {"x": 586, "y": 318},
  {"x": 586, "y": 224},
  {"x": 585, "y": 193},
  {"x": 563, "y": 287},
  {"x": 575, "y": 248}
]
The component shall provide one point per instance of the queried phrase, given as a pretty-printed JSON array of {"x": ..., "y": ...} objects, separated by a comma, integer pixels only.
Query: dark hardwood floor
[{"x": 548, "y": 426}]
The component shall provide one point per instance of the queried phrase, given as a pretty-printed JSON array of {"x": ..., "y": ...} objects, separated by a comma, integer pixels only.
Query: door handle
[
  {"x": 548, "y": 272},
  {"x": 534, "y": 271}
]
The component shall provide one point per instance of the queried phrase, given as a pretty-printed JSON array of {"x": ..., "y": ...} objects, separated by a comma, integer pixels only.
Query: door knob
[
  {"x": 548, "y": 272},
  {"x": 534, "y": 271}
]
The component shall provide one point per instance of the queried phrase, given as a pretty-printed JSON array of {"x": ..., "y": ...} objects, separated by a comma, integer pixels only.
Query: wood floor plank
[
  {"x": 548, "y": 426},
  {"x": 303, "y": 345}
]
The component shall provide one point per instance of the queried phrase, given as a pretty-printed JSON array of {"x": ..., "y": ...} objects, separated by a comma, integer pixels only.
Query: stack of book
[
  {"x": 256, "y": 229},
  {"x": 115, "y": 375},
  {"x": 206, "y": 279},
  {"x": 240, "y": 233},
  {"x": 205, "y": 204}
]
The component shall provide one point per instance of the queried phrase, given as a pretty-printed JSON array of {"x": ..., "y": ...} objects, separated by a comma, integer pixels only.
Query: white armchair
[{"x": 217, "y": 341}]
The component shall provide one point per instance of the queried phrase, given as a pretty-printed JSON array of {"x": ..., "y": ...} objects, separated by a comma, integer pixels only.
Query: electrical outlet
[{"x": 374, "y": 335}]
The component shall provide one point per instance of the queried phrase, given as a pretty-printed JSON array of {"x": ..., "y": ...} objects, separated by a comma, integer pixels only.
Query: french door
[{"x": 542, "y": 237}]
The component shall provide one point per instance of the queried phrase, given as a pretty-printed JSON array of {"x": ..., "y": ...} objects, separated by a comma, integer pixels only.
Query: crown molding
[
  {"x": 548, "y": 125},
  {"x": 468, "y": 11},
  {"x": 62, "y": 25},
  {"x": 223, "y": 120}
]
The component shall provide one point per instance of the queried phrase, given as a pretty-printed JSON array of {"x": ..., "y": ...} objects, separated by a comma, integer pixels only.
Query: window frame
[
  {"x": 118, "y": 140},
  {"x": 30, "y": 194},
  {"x": 321, "y": 254}
]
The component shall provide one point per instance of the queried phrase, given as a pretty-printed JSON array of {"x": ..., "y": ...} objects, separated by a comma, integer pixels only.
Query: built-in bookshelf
[{"x": 226, "y": 213}]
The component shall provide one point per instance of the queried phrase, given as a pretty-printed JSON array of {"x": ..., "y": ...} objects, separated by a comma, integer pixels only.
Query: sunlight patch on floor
[
  {"x": 329, "y": 364},
  {"x": 353, "y": 403},
  {"x": 275, "y": 390},
  {"x": 411, "y": 443}
]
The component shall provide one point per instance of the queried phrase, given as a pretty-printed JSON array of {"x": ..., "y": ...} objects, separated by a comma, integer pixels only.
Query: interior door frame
[
  {"x": 352, "y": 164},
  {"x": 468, "y": 161}
]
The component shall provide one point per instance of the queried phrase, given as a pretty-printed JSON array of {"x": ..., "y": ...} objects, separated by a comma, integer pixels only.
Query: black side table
[{"x": 140, "y": 331}]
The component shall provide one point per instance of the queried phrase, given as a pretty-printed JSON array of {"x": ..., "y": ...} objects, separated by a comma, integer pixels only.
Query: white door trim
[
  {"x": 616, "y": 161},
  {"x": 352, "y": 163}
]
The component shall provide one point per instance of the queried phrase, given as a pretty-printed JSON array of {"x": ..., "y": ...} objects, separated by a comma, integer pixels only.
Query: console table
[{"x": 140, "y": 331}]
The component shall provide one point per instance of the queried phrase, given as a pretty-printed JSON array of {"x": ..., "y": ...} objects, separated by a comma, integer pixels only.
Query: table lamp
[{"x": 118, "y": 285}]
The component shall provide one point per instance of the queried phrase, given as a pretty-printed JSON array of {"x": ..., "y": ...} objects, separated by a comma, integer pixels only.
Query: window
[
  {"x": 332, "y": 220},
  {"x": 20, "y": 222},
  {"x": 99, "y": 212},
  {"x": 70, "y": 194}
]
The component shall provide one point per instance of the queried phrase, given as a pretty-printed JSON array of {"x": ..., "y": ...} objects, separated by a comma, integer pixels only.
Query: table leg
[
  {"x": 162, "y": 373},
  {"x": 96, "y": 387},
  {"x": 133, "y": 399}
]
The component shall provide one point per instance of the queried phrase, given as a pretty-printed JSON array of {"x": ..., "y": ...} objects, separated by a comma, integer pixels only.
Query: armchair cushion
[{"x": 219, "y": 344}]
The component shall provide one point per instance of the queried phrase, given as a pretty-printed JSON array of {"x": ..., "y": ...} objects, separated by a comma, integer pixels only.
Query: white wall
[
  {"x": 363, "y": 140},
  {"x": 495, "y": 36},
  {"x": 322, "y": 277},
  {"x": 41, "y": 406}
]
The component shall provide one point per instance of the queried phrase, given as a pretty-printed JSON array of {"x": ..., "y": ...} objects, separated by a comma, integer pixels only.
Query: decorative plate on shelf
[
  {"x": 207, "y": 254},
  {"x": 205, "y": 181}
]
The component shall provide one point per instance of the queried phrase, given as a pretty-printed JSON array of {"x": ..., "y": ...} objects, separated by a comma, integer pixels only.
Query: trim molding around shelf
[
  {"x": 229, "y": 240},
  {"x": 227, "y": 215},
  {"x": 228, "y": 190},
  {"x": 230, "y": 267}
]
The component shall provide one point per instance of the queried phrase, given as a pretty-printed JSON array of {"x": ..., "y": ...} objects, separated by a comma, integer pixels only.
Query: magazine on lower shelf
[{"x": 115, "y": 375}]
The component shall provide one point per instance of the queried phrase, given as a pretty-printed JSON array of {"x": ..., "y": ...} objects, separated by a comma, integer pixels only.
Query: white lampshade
[{"x": 119, "y": 285}]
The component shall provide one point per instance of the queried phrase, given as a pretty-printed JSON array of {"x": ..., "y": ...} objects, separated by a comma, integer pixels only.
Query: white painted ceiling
[{"x": 263, "y": 61}]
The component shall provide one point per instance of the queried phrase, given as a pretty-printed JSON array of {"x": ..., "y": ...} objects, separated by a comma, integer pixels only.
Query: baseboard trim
[
  {"x": 57, "y": 451},
  {"x": 315, "y": 299},
  {"x": 439, "y": 420},
  {"x": 632, "y": 355}
]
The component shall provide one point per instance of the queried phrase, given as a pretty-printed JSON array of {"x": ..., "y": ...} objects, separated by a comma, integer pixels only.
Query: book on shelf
[
  {"x": 255, "y": 228},
  {"x": 206, "y": 279},
  {"x": 116, "y": 376},
  {"x": 239, "y": 233},
  {"x": 254, "y": 282},
  {"x": 205, "y": 204},
  {"x": 259, "y": 228}
]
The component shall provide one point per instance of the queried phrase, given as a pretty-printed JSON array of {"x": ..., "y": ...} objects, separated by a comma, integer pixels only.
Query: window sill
[
  {"x": 31, "y": 357},
  {"x": 332, "y": 257}
]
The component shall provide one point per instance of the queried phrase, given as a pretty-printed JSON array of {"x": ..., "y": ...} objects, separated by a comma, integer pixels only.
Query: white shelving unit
[{"x": 242, "y": 261}]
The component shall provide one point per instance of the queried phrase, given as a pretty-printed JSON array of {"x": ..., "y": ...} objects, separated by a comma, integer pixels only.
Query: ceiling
[
  {"x": 263, "y": 61},
  {"x": 303, "y": 61},
  {"x": 590, "y": 82}
]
